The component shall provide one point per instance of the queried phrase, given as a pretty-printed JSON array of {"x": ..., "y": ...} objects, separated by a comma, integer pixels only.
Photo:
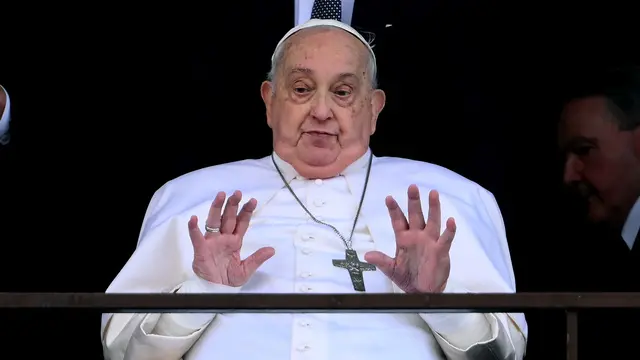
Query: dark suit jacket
[
  {"x": 611, "y": 267},
  {"x": 587, "y": 258}
]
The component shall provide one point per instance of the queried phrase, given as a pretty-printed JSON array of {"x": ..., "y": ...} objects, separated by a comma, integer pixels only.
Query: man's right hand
[{"x": 217, "y": 254}]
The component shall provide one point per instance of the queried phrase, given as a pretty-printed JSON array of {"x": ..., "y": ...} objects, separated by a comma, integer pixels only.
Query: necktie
[{"x": 327, "y": 10}]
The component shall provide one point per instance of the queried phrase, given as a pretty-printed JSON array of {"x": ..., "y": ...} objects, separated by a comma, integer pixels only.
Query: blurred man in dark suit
[
  {"x": 370, "y": 17},
  {"x": 599, "y": 134}
]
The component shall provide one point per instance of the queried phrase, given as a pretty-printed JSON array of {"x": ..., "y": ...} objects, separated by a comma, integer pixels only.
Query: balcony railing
[{"x": 571, "y": 303}]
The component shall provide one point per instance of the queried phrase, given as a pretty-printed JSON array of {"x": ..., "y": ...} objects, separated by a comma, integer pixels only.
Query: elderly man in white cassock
[{"x": 302, "y": 220}]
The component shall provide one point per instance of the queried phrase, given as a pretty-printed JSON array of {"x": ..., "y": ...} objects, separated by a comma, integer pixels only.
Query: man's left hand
[{"x": 422, "y": 263}]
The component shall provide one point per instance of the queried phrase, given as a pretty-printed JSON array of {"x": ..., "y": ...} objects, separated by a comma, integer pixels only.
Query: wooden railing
[{"x": 571, "y": 303}]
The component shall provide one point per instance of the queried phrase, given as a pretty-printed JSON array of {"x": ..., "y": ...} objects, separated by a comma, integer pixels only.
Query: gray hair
[{"x": 372, "y": 69}]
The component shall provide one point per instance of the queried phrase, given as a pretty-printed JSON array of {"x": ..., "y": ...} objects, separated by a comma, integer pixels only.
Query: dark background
[{"x": 110, "y": 102}]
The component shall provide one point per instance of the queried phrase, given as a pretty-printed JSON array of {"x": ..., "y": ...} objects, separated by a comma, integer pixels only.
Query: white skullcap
[{"x": 318, "y": 22}]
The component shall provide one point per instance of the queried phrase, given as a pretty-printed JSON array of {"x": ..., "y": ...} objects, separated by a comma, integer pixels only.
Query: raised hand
[
  {"x": 422, "y": 263},
  {"x": 216, "y": 255}
]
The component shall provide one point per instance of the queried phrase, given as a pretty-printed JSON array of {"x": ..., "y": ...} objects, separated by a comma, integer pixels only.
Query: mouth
[
  {"x": 319, "y": 133},
  {"x": 586, "y": 191}
]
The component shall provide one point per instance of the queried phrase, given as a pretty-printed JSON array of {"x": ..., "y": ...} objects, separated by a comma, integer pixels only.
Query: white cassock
[{"x": 480, "y": 262}]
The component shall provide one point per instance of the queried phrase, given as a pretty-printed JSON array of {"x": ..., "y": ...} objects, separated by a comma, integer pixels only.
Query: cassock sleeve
[
  {"x": 480, "y": 262},
  {"x": 160, "y": 264},
  {"x": 476, "y": 336}
]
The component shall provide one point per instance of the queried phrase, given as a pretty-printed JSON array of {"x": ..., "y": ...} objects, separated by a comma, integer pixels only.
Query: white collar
[
  {"x": 290, "y": 173},
  {"x": 632, "y": 225}
]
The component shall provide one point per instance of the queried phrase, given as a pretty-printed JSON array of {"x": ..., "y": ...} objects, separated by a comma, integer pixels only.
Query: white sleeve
[
  {"x": 185, "y": 324},
  {"x": 160, "y": 264},
  {"x": 480, "y": 263}
]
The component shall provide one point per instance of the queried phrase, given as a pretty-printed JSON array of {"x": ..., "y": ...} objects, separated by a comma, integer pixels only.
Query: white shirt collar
[
  {"x": 632, "y": 225},
  {"x": 290, "y": 173}
]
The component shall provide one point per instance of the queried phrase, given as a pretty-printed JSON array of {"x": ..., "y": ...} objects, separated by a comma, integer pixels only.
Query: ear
[
  {"x": 266, "y": 91},
  {"x": 378, "y": 100}
]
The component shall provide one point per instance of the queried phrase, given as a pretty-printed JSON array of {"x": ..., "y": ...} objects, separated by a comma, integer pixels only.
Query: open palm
[
  {"x": 421, "y": 263},
  {"x": 216, "y": 255}
]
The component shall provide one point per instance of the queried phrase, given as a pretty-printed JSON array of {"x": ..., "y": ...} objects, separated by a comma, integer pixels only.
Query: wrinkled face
[
  {"x": 321, "y": 106},
  {"x": 602, "y": 162}
]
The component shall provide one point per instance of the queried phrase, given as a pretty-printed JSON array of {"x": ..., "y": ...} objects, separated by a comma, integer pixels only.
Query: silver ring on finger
[{"x": 213, "y": 230}]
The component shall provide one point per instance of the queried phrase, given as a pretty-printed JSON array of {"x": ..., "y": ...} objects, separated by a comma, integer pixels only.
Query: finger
[
  {"x": 433, "y": 221},
  {"x": 215, "y": 213},
  {"x": 230, "y": 213},
  {"x": 194, "y": 232},
  {"x": 255, "y": 260},
  {"x": 244, "y": 217},
  {"x": 416, "y": 217},
  {"x": 398, "y": 220},
  {"x": 449, "y": 233},
  {"x": 382, "y": 261}
]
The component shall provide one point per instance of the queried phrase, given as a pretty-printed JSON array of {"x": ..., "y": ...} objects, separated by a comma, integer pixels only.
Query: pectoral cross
[{"x": 355, "y": 268}]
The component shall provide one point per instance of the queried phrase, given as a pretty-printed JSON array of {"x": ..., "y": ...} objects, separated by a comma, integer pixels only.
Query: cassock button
[
  {"x": 318, "y": 181},
  {"x": 303, "y": 347},
  {"x": 305, "y": 274},
  {"x": 305, "y": 289},
  {"x": 306, "y": 251},
  {"x": 318, "y": 202},
  {"x": 307, "y": 237},
  {"x": 304, "y": 323}
]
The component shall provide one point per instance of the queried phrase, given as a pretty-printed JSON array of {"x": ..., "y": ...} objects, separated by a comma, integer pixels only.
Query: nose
[
  {"x": 320, "y": 107},
  {"x": 572, "y": 169}
]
